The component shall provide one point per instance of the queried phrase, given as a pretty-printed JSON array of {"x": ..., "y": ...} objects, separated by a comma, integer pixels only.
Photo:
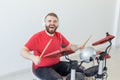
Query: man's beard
[{"x": 51, "y": 30}]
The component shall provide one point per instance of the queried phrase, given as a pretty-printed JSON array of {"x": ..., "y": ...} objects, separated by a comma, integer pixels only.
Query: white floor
[{"x": 113, "y": 65}]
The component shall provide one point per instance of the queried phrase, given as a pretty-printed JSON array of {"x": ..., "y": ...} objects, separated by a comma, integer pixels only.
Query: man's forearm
[
  {"x": 26, "y": 54},
  {"x": 74, "y": 47}
]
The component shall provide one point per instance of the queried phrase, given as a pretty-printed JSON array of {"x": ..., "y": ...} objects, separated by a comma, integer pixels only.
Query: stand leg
[
  {"x": 73, "y": 71},
  {"x": 100, "y": 70}
]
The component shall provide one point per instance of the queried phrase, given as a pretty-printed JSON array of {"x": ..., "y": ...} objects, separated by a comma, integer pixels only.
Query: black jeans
[{"x": 54, "y": 72}]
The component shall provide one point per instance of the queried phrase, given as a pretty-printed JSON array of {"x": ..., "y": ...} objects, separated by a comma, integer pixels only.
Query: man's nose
[{"x": 52, "y": 22}]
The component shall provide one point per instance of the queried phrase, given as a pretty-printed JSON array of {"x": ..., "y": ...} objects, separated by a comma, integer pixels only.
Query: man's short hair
[{"x": 51, "y": 14}]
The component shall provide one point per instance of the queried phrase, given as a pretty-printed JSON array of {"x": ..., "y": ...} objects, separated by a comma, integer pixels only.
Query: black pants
[{"x": 54, "y": 72}]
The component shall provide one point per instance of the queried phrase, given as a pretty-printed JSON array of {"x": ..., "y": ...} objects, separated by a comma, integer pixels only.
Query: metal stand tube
[
  {"x": 74, "y": 64},
  {"x": 100, "y": 70},
  {"x": 73, "y": 71}
]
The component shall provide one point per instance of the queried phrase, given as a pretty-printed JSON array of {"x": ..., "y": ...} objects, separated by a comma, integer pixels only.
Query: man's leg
[
  {"x": 63, "y": 68},
  {"x": 47, "y": 73}
]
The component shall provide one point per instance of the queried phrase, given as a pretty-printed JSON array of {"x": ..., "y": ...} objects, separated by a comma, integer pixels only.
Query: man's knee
[{"x": 60, "y": 79}]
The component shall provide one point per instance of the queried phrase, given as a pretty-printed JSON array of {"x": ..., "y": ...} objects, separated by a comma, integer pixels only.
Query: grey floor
[{"x": 113, "y": 65}]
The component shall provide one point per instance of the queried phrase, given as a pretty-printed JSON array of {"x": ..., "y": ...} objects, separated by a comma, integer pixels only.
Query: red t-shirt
[{"x": 38, "y": 42}]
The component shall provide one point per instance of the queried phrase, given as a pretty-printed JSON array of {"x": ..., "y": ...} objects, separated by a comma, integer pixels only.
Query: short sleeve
[{"x": 31, "y": 44}]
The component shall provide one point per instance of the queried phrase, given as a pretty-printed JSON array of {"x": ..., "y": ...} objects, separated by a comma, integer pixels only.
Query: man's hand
[
  {"x": 36, "y": 59},
  {"x": 82, "y": 47},
  {"x": 26, "y": 54}
]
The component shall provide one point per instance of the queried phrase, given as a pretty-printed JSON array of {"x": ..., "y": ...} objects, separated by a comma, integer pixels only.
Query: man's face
[{"x": 51, "y": 24}]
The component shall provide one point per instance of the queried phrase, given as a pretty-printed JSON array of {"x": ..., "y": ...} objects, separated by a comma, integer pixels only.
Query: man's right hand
[
  {"x": 26, "y": 54},
  {"x": 36, "y": 59}
]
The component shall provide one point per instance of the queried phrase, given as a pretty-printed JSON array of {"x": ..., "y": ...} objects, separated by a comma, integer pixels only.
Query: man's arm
[
  {"x": 74, "y": 47},
  {"x": 26, "y": 54}
]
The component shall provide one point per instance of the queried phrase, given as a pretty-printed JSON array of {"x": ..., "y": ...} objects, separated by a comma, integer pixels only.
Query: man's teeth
[{"x": 51, "y": 27}]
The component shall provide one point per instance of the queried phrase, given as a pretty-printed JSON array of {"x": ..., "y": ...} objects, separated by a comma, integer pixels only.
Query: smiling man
[
  {"x": 51, "y": 23},
  {"x": 43, "y": 43}
]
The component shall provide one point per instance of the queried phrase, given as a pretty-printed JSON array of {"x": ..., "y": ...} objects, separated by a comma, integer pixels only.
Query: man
[{"x": 46, "y": 42}]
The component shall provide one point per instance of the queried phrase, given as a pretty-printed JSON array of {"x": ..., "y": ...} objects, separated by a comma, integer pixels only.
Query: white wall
[
  {"x": 116, "y": 28},
  {"x": 79, "y": 19}
]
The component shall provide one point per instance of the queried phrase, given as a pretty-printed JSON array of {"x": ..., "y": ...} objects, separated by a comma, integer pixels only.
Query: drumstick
[
  {"x": 45, "y": 48},
  {"x": 86, "y": 41}
]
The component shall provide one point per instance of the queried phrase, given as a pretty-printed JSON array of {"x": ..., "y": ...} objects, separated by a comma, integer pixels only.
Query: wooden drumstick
[
  {"x": 45, "y": 48},
  {"x": 86, "y": 42}
]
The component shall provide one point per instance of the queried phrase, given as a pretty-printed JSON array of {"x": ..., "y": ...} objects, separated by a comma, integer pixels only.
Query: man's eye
[
  {"x": 49, "y": 20},
  {"x": 55, "y": 21}
]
